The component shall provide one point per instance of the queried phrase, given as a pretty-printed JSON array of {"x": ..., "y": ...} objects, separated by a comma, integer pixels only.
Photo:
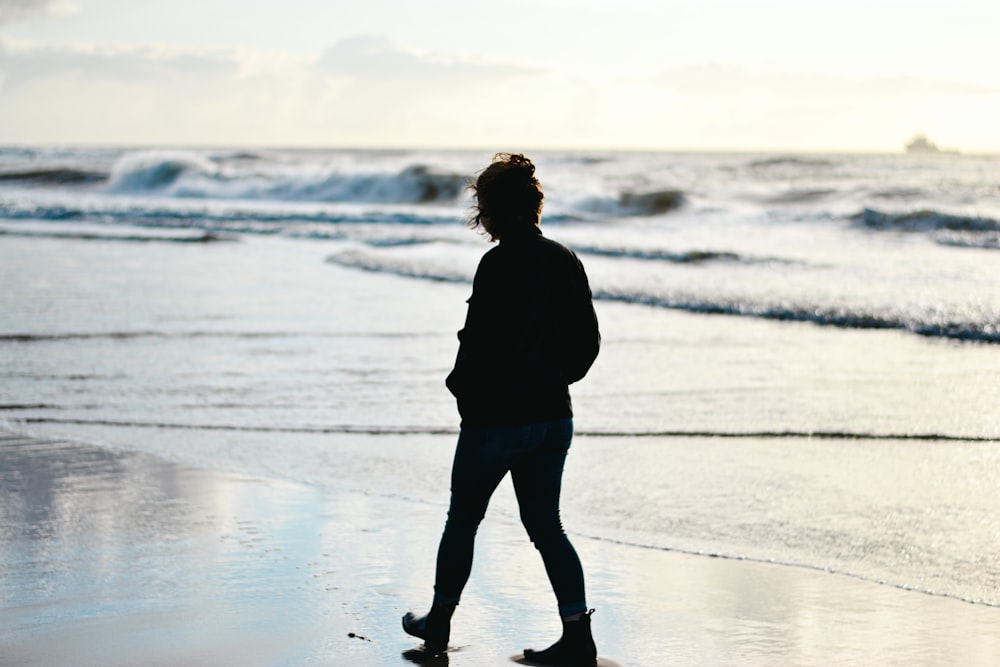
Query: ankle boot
[
  {"x": 434, "y": 628},
  {"x": 574, "y": 649}
]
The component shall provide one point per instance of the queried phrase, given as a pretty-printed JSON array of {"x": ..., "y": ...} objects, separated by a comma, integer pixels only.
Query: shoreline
[{"x": 123, "y": 558}]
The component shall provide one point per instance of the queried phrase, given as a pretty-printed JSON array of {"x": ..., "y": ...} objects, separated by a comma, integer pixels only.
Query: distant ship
[{"x": 921, "y": 144}]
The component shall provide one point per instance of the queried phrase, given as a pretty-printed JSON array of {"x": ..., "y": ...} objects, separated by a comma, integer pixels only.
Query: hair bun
[{"x": 516, "y": 163}]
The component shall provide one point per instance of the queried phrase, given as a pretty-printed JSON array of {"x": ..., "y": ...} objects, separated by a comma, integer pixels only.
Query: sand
[{"x": 122, "y": 558}]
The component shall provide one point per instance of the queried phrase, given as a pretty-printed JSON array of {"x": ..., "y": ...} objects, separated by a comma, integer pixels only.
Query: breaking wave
[
  {"x": 841, "y": 317},
  {"x": 188, "y": 175},
  {"x": 54, "y": 176},
  {"x": 629, "y": 204},
  {"x": 235, "y": 218},
  {"x": 978, "y": 241},
  {"x": 357, "y": 259},
  {"x": 688, "y": 257},
  {"x": 844, "y": 318},
  {"x": 956, "y": 231},
  {"x": 924, "y": 221},
  {"x": 111, "y": 233}
]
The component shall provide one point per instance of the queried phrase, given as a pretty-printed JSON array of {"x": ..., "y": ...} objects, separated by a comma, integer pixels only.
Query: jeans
[{"x": 534, "y": 454}]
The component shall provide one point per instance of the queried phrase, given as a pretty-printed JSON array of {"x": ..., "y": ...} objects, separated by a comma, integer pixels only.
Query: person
[{"x": 530, "y": 332}]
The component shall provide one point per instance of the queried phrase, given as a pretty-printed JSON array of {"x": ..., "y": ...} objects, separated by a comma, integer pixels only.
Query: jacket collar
[{"x": 521, "y": 236}]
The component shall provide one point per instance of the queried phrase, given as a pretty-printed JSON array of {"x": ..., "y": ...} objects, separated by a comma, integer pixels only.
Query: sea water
[{"x": 800, "y": 352}]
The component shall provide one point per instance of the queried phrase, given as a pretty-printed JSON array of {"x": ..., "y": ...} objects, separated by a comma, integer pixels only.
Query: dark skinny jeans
[{"x": 534, "y": 454}]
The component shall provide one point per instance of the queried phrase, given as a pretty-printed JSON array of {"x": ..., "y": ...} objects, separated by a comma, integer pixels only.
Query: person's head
[{"x": 508, "y": 197}]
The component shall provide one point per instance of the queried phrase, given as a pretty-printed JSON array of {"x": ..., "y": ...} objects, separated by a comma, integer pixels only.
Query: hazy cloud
[
  {"x": 13, "y": 10},
  {"x": 376, "y": 60},
  {"x": 129, "y": 65},
  {"x": 109, "y": 93},
  {"x": 727, "y": 79}
]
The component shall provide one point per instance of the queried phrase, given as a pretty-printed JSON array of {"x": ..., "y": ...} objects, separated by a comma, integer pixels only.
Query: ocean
[{"x": 800, "y": 353}]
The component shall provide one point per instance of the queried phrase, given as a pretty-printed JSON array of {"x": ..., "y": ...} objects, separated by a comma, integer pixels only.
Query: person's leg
[
  {"x": 473, "y": 479},
  {"x": 537, "y": 483},
  {"x": 480, "y": 463},
  {"x": 482, "y": 458}
]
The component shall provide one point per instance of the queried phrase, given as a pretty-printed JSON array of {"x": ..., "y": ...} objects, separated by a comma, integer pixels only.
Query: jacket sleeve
[
  {"x": 583, "y": 332},
  {"x": 468, "y": 361}
]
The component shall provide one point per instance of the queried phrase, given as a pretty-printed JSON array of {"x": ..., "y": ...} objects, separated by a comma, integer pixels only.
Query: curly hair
[{"x": 508, "y": 196}]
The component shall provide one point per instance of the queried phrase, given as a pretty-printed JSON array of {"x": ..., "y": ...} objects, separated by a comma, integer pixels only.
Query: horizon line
[{"x": 192, "y": 145}]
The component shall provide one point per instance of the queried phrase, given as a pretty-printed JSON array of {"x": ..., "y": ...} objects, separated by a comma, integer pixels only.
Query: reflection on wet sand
[
  {"x": 114, "y": 558},
  {"x": 126, "y": 558}
]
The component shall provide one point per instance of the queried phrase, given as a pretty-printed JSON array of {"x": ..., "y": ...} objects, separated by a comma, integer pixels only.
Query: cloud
[
  {"x": 123, "y": 64},
  {"x": 717, "y": 79},
  {"x": 372, "y": 63},
  {"x": 15, "y": 10},
  {"x": 360, "y": 91},
  {"x": 371, "y": 60}
]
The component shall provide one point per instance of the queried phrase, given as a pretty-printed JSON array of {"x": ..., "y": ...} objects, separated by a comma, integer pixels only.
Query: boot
[
  {"x": 574, "y": 649},
  {"x": 434, "y": 628}
]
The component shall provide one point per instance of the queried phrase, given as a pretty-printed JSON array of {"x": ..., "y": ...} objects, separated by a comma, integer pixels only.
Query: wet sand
[{"x": 115, "y": 558}]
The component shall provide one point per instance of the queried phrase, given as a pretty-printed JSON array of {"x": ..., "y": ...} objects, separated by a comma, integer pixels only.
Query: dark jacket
[{"x": 529, "y": 333}]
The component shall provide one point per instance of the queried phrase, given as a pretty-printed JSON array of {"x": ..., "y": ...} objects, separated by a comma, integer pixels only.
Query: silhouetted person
[{"x": 529, "y": 333}]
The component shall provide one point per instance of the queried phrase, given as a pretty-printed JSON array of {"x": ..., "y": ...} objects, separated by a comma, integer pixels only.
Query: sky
[{"x": 794, "y": 75}]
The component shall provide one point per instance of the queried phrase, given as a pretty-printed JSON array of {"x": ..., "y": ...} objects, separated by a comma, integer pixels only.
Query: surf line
[
  {"x": 444, "y": 430},
  {"x": 793, "y": 564},
  {"x": 131, "y": 335}
]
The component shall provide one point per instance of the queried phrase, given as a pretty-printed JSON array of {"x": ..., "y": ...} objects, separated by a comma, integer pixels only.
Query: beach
[
  {"x": 115, "y": 558},
  {"x": 226, "y": 437}
]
